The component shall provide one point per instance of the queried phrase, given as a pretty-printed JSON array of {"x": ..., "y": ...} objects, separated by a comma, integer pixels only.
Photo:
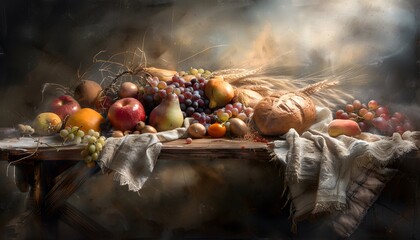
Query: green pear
[{"x": 167, "y": 115}]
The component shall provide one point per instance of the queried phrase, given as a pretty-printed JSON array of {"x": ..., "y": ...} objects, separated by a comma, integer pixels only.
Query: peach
[{"x": 343, "y": 127}]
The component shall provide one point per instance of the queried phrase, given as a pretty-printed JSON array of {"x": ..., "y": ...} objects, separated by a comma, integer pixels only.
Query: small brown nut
[
  {"x": 148, "y": 129},
  {"x": 126, "y": 132},
  {"x": 117, "y": 134},
  {"x": 140, "y": 125},
  {"x": 136, "y": 132}
]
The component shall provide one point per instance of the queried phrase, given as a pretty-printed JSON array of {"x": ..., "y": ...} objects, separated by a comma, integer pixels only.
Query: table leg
[
  {"x": 48, "y": 199},
  {"x": 56, "y": 201},
  {"x": 46, "y": 224}
]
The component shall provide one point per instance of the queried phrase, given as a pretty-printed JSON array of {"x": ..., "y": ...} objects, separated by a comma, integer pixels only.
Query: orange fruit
[
  {"x": 86, "y": 118},
  {"x": 217, "y": 130}
]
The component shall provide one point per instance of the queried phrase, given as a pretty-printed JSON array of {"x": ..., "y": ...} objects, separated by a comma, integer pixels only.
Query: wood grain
[{"x": 200, "y": 149}]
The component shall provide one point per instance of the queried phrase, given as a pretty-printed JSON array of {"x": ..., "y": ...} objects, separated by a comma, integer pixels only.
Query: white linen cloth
[
  {"x": 133, "y": 157},
  {"x": 320, "y": 168},
  {"x": 341, "y": 175}
]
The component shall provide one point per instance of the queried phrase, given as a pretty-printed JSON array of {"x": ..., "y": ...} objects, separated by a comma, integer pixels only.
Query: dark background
[
  {"x": 48, "y": 41},
  {"x": 53, "y": 41}
]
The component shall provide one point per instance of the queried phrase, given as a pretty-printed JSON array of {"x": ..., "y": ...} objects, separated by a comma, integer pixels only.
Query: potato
[
  {"x": 238, "y": 127},
  {"x": 196, "y": 130}
]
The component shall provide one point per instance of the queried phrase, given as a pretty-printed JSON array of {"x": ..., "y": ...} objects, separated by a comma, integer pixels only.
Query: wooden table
[{"x": 51, "y": 175}]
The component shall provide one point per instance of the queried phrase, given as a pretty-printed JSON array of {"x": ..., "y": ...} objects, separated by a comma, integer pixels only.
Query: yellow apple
[{"x": 47, "y": 123}]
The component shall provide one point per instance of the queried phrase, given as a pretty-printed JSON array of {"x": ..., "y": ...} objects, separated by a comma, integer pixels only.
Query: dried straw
[{"x": 334, "y": 83}]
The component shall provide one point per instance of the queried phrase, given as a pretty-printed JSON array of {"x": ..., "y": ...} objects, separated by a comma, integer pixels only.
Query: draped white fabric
[
  {"x": 133, "y": 157},
  {"x": 319, "y": 169}
]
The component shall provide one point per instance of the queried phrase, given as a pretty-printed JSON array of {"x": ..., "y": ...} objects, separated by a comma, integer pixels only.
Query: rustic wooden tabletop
[{"x": 11, "y": 150}]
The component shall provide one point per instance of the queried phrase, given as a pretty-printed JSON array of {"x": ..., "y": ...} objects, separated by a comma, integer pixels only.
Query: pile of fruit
[
  {"x": 371, "y": 117},
  {"x": 162, "y": 99},
  {"x": 150, "y": 106}
]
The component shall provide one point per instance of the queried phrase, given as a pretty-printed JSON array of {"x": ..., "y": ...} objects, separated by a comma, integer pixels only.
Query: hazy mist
[{"x": 56, "y": 41}]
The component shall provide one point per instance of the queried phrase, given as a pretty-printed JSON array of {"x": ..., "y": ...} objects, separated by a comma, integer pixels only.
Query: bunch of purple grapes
[
  {"x": 190, "y": 94},
  {"x": 375, "y": 118},
  {"x": 192, "y": 99},
  {"x": 222, "y": 115}
]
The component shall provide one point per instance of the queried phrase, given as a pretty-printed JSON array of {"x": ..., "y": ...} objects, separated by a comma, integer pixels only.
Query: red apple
[
  {"x": 64, "y": 106},
  {"x": 125, "y": 113},
  {"x": 128, "y": 89}
]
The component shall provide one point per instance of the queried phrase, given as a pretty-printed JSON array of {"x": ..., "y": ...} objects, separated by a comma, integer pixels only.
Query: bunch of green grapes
[
  {"x": 95, "y": 143},
  {"x": 200, "y": 72},
  {"x": 93, "y": 140},
  {"x": 73, "y": 134}
]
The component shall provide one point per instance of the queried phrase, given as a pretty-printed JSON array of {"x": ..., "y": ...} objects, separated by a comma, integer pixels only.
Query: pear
[{"x": 167, "y": 115}]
